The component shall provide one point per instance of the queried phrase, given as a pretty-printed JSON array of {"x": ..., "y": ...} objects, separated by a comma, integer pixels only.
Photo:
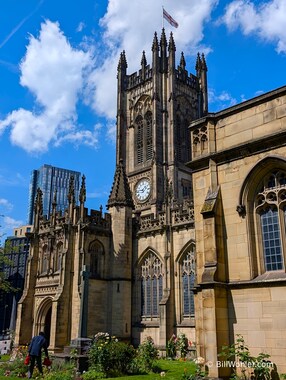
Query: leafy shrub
[
  {"x": 93, "y": 374},
  {"x": 66, "y": 375},
  {"x": 109, "y": 356},
  {"x": 16, "y": 368},
  {"x": 250, "y": 367},
  {"x": 182, "y": 345},
  {"x": 147, "y": 354},
  {"x": 171, "y": 347}
]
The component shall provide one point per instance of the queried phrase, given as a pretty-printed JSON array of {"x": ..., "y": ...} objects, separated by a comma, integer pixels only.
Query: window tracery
[
  {"x": 96, "y": 251},
  {"x": 144, "y": 138},
  {"x": 270, "y": 206},
  {"x": 151, "y": 286},
  {"x": 187, "y": 282}
]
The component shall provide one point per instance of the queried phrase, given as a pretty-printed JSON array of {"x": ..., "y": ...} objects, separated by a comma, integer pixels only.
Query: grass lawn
[
  {"x": 173, "y": 369},
  {"x": 4, "y": 358}
]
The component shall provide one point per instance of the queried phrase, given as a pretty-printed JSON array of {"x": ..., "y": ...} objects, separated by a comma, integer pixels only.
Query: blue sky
[{"x": 58, "y": 64}]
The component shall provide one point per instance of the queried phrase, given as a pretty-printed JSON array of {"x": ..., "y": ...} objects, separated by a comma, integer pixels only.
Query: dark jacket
[{"x": 36, "y": 345}]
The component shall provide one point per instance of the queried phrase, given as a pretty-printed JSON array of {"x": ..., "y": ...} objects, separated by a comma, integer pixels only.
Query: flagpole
[{"x": 162, "y": 17}]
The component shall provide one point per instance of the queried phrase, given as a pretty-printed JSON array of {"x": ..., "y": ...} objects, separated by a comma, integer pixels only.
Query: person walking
[{"x": 38, "y": 343}]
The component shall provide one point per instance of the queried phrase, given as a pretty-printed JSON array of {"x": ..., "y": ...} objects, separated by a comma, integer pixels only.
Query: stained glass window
[
  {"x": 139, "y": 139},
  {"x": 188, "y": 280},
  {"x": 96, "y": 259},
  {"x": 271, "y": 206},
  {"x": 151, "y": 286}
]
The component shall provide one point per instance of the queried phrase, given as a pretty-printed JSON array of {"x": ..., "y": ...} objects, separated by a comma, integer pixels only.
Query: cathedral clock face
[{"x": 143, "y": 190}]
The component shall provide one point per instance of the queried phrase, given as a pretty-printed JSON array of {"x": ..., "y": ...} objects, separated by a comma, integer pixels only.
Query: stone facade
[
  {"x": 131, "y": 271},
  {"x": 181, "y": 249},
  {"x": 238, "y": 165}
]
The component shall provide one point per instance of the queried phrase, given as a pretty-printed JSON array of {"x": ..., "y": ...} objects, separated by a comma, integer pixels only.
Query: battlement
[
  {"x": 96, "y": 218},
  {"x": 182, "y": 216},
  {"x": 137, "y": 78}
]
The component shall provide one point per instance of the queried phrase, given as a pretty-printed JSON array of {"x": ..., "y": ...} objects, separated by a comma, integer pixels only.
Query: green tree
[{"x": 5, "y": 285}]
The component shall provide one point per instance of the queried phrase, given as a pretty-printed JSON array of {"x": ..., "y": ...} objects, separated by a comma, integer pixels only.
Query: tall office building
[
  {"x": 14, "y": 269},
  {"x": 50, "y": 179}
]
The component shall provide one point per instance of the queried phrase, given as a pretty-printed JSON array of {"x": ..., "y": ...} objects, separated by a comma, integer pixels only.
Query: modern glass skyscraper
[
  {"x": 50, "y": 179},
  {"x": 16, "y": 252}
]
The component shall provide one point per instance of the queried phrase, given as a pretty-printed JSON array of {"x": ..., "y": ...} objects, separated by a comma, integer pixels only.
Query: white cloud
[
  {"x": 7, "y": 225},
  {"x": 59, "y": 75},
  {"x": 130, "y": 26},
  {"x": 266, "y": 20},
  {"x": 54, "y": 73},
  {"x": 80, "y": 27},
  {"x": 86, "y": 137},
  {"x": 220, "y": 100},
  {"x": 5, "y": 204}
]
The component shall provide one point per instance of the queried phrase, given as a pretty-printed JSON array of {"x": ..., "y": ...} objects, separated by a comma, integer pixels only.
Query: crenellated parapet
[
  {"x": 94, "y": 218},
  {"x": 137, "y": 78},
  {"x": 182, "y": 216}
]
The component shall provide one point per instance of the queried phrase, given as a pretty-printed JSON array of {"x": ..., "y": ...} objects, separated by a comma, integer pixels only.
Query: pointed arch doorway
[{"x": 44, "y": 319}]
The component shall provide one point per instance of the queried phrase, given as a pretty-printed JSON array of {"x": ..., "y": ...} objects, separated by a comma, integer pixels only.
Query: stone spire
[
  {"x": 182, "y": 62},
  {"x": 201, "y": 68},
  {"x": 172, "y": 46},
  {"x": 54, "y": 204},
  {"x": 204, "y": 65},
  {"x": 143, "y": 65},
  {"x": 143, "y": 59},
  {"x": 82, "y": 197},
  {"x": 71, "y": 195},
  {"x": 198, "y": 64},
  {"x": 38, "y": 209},
  {"x": 120, "y": 194},
  {"x": 39, "y": 202},
  {"x": 54, "y": 209},
  {"x": 155, "y": 45},
  {"x": 163, "y": 40},
  {"x": 155, "y": 54},
  {"x": 163, "y": 51},
  {"x": 122, "y": 64},
  {"x": 82, "y": 192}
]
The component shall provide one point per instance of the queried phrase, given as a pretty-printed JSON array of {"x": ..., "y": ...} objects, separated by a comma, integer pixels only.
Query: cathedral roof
[{"x": 120, "y": 194}]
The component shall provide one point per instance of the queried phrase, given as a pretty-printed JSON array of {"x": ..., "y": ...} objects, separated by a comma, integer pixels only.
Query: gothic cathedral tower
[{"x": 155, "y": 107}]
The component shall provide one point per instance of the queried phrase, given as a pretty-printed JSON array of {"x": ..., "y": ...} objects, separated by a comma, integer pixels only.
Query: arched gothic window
[
  {"x": 45, "y": 259},
  {"x": 96, "y": 251},
  {"x": 270, "y": 206},
  {"x": 149, "y": 142},
  {"x": 58, "y": 256},
  {"x": 139, "y": 139},
  {"x": 151, "y": 286},
  {"x": 144, "y": 138},
  {"x": 183, "y": 143},
  {"x": 187, "y": 282}
]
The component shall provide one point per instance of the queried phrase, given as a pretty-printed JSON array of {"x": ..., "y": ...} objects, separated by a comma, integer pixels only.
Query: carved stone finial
[
  {"x": 204, "y": 64},
  {"x": 182, "y": 62},
  {"x": 143, "y": 59},
  {"x": 155, "y": 45},
  {"x": 82, "y": 192},
  {"x": 172, "y": 46},
  {"x": 71, "y": 196},
  {"x": 198, "y": 63}
]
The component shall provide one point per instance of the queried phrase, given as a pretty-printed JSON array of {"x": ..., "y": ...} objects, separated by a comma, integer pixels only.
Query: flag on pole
[{"x": 169, "y": 18}]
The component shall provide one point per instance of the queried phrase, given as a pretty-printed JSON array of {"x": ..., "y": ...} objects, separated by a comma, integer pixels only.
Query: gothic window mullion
[
  {"x": 188, "y": 278},
  {"x": 139, "y": 140},
  {"x": 149, "y": 137},
  {"x": 151, "y": 287},
  {"x": 271, "y": 212}
]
